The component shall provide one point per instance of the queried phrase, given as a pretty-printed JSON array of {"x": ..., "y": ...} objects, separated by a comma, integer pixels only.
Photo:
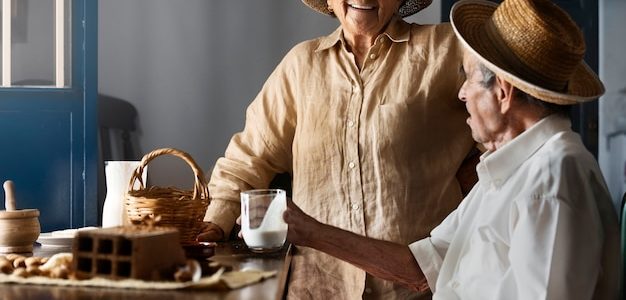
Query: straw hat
[
  {"x": 532, "y": 44},
  {"x": 407, "y": 8}
]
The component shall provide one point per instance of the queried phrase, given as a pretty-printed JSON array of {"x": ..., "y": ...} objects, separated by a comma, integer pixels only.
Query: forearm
[{"x": 383, "y": 259}]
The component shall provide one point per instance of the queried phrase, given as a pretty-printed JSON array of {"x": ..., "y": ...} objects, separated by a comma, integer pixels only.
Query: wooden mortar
[{"x": 19, "y": 228}]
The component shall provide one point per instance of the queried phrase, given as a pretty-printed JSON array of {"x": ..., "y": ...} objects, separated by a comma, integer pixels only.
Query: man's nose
[{"x": 461, "y": 94}]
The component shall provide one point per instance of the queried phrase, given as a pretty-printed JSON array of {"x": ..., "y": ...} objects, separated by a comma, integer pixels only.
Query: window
[{"x": 36, "y": 43}]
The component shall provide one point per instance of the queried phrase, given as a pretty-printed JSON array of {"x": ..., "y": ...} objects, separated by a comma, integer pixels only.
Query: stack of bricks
[{"x": 137, "y": 252}]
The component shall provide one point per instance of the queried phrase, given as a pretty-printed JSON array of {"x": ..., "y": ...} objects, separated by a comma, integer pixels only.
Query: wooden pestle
[{"x": 9, "y": 198}]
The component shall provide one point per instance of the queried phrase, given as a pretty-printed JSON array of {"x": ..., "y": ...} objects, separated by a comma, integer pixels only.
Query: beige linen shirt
[{"x": 373, "y": 151}]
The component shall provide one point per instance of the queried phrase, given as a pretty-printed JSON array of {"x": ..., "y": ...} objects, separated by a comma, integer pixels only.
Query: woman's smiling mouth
[{"x": 360, "y": 6}]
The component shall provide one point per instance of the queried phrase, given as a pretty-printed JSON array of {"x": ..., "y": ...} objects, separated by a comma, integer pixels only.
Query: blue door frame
[{"x": 48, "y": 143}]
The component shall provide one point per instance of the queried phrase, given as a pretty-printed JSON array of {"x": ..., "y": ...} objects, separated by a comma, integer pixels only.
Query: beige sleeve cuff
[{"x": 223, "y": 213}]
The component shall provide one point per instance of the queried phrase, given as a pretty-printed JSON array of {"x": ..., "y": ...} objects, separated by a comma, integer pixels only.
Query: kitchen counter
[{"x": 233, "y": 254}]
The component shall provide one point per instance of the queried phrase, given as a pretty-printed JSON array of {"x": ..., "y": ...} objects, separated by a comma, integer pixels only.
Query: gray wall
[{"x": 191, "y": 67}]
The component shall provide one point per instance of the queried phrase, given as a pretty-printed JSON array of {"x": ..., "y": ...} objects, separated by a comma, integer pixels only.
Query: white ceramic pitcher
[{"x": 118, "y": 175}]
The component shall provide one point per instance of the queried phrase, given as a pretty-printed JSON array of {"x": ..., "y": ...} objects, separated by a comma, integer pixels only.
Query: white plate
[
  {"x": 46, "y": 239},
  {"x": 60, "y": 237}
]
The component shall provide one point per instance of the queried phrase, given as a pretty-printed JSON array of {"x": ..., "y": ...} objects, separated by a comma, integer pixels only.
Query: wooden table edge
[{"x": 283, "y": 279}]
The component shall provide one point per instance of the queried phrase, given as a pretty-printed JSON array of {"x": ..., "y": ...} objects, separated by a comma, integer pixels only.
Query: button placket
[
  {"x": 351, "y": 156},
  {"x": 356, "y": 87}
]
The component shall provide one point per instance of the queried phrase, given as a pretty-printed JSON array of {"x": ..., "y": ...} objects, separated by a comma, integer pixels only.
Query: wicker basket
[{"x": 182, "y": 209}]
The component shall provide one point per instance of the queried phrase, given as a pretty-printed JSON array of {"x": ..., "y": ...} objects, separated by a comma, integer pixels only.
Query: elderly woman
[{"x": 367, "y": 122}]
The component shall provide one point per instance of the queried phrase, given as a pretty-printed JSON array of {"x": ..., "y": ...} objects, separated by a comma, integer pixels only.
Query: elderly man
[{"x": 539, "y": 223}]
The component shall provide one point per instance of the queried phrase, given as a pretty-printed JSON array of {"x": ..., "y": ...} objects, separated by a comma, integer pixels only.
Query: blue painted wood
[
  {"x": 90, "y": 98},
  {"x": 49, "y": 136}
]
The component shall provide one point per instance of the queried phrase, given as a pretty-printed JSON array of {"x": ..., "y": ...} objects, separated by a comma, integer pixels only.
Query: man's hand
[
  {"x": 383, "y": 259},
  {"x": 210, "y": 233},
  {"x": 302, "y": 227}
]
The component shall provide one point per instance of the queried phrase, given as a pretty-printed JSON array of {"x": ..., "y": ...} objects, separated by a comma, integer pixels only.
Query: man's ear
[{"x": 504, "y": 94}]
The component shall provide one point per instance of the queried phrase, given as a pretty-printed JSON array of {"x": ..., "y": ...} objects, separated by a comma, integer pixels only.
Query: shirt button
[
  {"x": 351, "y": 165},
  {"x": 455, "y": 284},
  {"x": 350, "y": 123},
  {"x": 381, "y": 39},
  {"x": 355, "y": 206},
  {"x": 372, "y": 56},
  {"x": 368, "y": 290}
]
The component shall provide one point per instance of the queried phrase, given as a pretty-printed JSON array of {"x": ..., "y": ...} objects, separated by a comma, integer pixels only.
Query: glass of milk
[{"x": 262, "y": 224}]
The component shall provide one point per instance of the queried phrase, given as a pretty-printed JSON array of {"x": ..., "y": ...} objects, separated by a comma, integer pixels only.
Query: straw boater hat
[
  {"x": 407, "y": 8},
  {"x": 532, "y": 44}
]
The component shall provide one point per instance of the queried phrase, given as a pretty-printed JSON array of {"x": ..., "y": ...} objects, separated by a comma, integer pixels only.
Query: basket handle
[{"x": 200, "y": 187}]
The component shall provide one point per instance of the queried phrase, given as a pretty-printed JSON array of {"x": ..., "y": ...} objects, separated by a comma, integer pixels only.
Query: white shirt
[{"x": 538, "y": 225}]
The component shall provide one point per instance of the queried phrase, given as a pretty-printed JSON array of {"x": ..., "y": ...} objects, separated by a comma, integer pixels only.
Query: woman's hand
[
  {"x": 210, "y": 233},
  {"x": 238, "y": 221},
  {"x": 303, "y": 229}
]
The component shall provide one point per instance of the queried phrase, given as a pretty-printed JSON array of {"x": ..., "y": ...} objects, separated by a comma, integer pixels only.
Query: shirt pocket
[
  {"x": 395, "y": 133},
  {"x": 485, "y": 260},
  {"x": 393, "y": 117}
]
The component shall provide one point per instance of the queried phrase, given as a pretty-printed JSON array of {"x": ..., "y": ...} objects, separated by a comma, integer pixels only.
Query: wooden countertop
[{"x": 232, "y": 253}]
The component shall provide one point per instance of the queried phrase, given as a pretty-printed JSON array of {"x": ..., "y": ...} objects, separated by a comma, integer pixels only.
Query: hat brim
[
  {"x": 408, "y": 8},
  {"x": 468, "y": 20}
]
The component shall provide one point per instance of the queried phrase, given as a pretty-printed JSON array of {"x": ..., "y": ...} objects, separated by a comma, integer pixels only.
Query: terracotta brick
[{"x": 138, "y": 252}]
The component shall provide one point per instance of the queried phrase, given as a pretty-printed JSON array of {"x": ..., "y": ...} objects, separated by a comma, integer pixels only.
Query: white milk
[
  {"x": 272, "y": 232},
  {"x": 256, "y": 238}
]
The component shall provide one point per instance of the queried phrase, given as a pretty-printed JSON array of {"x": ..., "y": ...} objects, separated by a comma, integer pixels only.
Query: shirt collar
[
  {"x": 497, "y": 166},
  {"x": 397, "y": 31}
]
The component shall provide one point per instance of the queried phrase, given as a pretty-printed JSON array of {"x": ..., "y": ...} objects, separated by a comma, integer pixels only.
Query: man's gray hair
[{"x": 489, "y": 78}]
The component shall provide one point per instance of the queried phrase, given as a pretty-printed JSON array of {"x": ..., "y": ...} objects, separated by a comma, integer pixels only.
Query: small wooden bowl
[
  {"x": 199, "y": 250},
  {"x": 19, "y": 229}
]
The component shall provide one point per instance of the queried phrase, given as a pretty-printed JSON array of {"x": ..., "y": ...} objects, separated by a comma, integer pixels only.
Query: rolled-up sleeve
[
  {"x": 259, "y": 152},
  {"x": 431, "y": 251},
  {"x": 428, "y": 259},
  {"x": 223, "y": 214}
]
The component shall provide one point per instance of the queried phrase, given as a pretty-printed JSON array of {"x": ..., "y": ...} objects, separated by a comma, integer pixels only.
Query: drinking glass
[{"x": 262, "y": 224}]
